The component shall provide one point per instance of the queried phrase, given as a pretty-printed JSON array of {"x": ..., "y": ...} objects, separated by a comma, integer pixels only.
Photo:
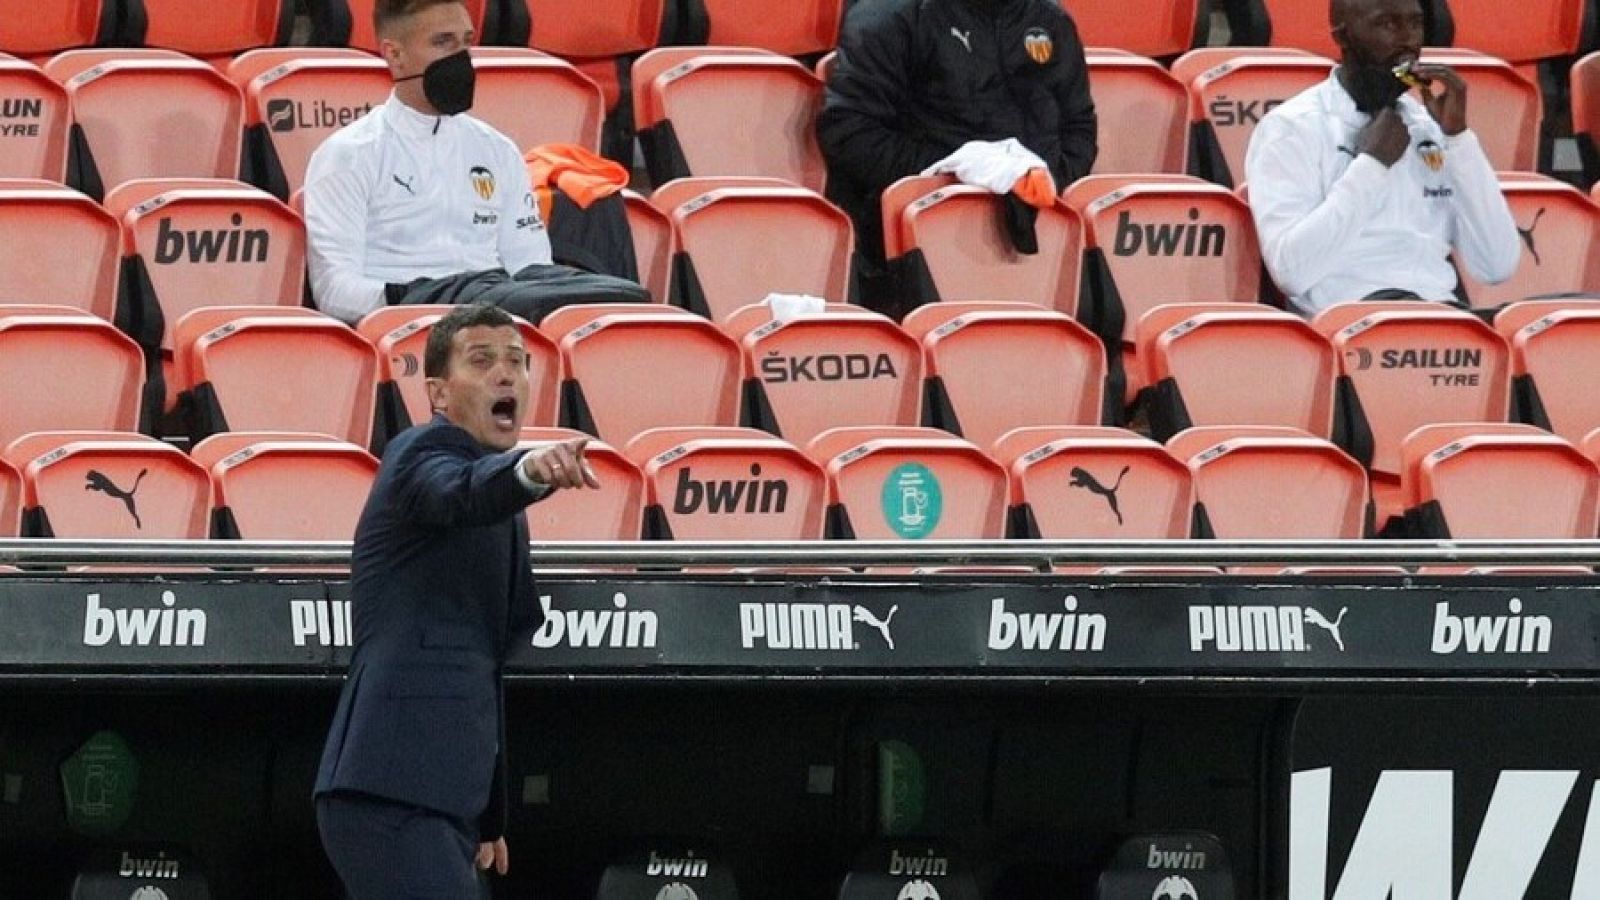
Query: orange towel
[
  {"x": 1036, "y": 188},
  {"x": 580, "y": 173}
]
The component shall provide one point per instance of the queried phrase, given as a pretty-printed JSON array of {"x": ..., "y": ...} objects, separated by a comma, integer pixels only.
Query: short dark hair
[
  {"x": 387, "y": 12},
  {"x": 436, "y": 359}
]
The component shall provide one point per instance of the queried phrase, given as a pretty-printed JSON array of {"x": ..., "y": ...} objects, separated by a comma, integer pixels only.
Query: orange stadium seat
[
  {"x": 1471, "y": 481},
  {"x": 688, "y": 129},
  {"x": 909, "y": 483},
  {"x": 58, "y": 247},
  {"x": 206, "y": 28},
  {"x": 59, "y": 25},
  {"x": 10, "y": 500},
  {"x": 348, "y": 23},
  {"x": 994, "y": 367},
  {"x": 1142, "y": 113},
  {"x": 64, "y": 369},
  {"x": 1145, "y": 27},
  {"x": 654, "y": 244},
  {"x": 647, "y": 67},
  {"x": 614, "y": 512},
  {"x": 1506, "y": 111},
  {"x": 1585, "y": 88},
  {"x": 273, "y": 368},
  {"x": 35, "y": 121},
  {"x": 738, "y": 244},
  {"x": 244, "y": 68},
  {"x": 148, "y": 116},
  {"x": 1302, "y": 25},
  {"x": 1554, "y": 364},
  {"x": 1229, "y": 99},
  {"x": 1090, "y": 483},
  {"x": 724, "y": 484},
  {"x": 1264, "y": 482},
  {"x": 277, "y": 487},
  {"x": 790, "y": 27},
  {"x": 633, "y": 367},
  {"x": 1235, "y": 364},
  {"x": 401, "y": 335},
  {"x": 594, "y": 35},
  {"x": 950, "y": 244},
  {"x": 1519, "y": 32},
  {"x": 844, "y": 366},
  {"x": 293, "y": 106},
  {"x": 570, "y": 107},
  {"x": 1560, "y": 229},
  {"x": 97, "y": 485}
]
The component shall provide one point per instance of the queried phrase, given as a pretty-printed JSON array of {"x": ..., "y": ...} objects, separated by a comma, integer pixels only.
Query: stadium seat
[
  {"x": 595, "y": 36},
  {"x": 1519, "y": 32},
  {"x": 1560, "y": 229},
  {"x": 992, "y": 368},
  {"x": 688, "y": 128},
  {"x": 63, "y": 369},
  {"x": 909, "y": 483},
  {"x": 1092, "y": 483},
  {"x": 737, "y": 244},
  {"x": 790, "y": 27},
  {"x": 348, "y": 23},
  {"x": 1466, "y": 481},
  {"x": 58, "y": 247},
  {"x": 1272, "y": 483},
  {"x": 284, "y": 487},
  {"x": 1506, "y": 111},
  {"x": 1142, "y": 113},
  {"x": 1201, "y": 60},
  {"x": 538, "y": 100},
  {"x": 293, "y": 106},
  {"x": 1235, "y": 364},
  {"x": 844, "y": 366},
  {"x": 148, "y": 116},
  {"x": 1228, "y": 100},
  {"x": 10, "y": 500},
  {"x": 646, "y": 68},
  {"x": 244, "y": 68},
  {"x": 35, "y": 121},
  {"x": 101, "y": 485},
  {"x": 205, "y": 28},
  {"x": 1554, "y": 364},
  {"x": 725, "y": 484},
  {"x": 949, "y": 243},
  {"x": 614, "y": 512},
  {"x": 1301, "y": 25},
  {"x": 1145, "y": 27},
  {"x": 59, "y": 25},
  {"x": 654, "y": 244},
  {"x": 269, "y": 368},
  {"x": 401, "y": 335},
  {"x": 1585, "y": 88},
  {"x": 633, "y": 367}
]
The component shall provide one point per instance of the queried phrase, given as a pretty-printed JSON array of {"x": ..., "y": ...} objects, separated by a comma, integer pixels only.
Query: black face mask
[
  {"x": 1371, "y": 85},
  {"x": 448, "y": 83}
]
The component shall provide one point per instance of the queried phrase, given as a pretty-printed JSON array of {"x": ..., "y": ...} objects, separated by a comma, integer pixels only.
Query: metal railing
[{"x": 37, "y": 552}]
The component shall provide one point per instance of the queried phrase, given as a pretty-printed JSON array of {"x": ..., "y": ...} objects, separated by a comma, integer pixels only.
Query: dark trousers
[
  {"x": 531, "y": 293},
  {"x": 384, "y": 850}
]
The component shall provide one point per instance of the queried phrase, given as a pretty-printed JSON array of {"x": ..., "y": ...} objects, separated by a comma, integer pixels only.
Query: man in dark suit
[{"x": 411, "y": 793}]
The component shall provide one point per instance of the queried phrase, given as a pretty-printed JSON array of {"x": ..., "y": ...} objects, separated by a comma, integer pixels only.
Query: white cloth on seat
[{"x": 995, "y": 166}]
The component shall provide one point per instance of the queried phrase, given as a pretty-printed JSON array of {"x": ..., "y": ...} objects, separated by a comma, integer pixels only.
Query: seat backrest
[
  {"x": 909, "y": 483},
  {"x": 211, "y": 246},
  {"x": 207, "y": 28},
  {"x": 1087, "y": 483},
  {"x": 1145, "y": 27},
  {"x": 708, "y": 484},
  {"x": 741, "y": 244},
  {"x": 10, "y": 500},
  {"x": 1233, "y": 96},
  {"x": 301, "y": 102},
  {"x": 155, "y": 117},
  {"x": 833, "y": 369},
  {"x": 1506, "y": 110},
  {"x": 294, "y": 490},
  {"x": 66, "y": 371},
  {"x": 244, "y": 68},
  {"x": 1414, "y": 364},
  {"x": 1302, "y": 25},
  {"x": 638, "y": 371},
  {"x": 363, "y": 37},
  {"x": 62, "y": 25},
  {"x": 597, "y": 30},
  {"x": 1585, "y": 88},
  {"x": 969, "y": 256},
  {"x": 1560, "y": 230},
  {"x": 35, "y": 118},
  {"x": 654, "y": 244},
  {"x": 999, "y": 369},
  {"x": 1274, "y": 483},
  {"x": 662, "y": 59},
  {"x": 274, "y": 372},
  {"x": 790, "y": 27},
  {"x": 1240, "y": 364},
  {"x": 401, "y": 335},
  {"x": 1505, "y": 485},
  {"x": 1519, "y": 32},
  {"x": 900, "y": 195},
  {"x": 563, "y": 321},
  {"x": 774, "y": 133},
  {"x": 58, "y": 246},
  {"x": 571, "y": 108},
  {"x": 614, "y": 512},
  {"x": 1142, "y": 113},
  {"x": 107, "y": 488},
  {"x": 1193, "y": 64},
  {"x": 1554, "y": 361}
]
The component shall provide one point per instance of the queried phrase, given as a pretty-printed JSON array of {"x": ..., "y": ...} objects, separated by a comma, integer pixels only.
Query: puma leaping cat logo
[
  {"x": 1082, "y": 479},
  {"x": 865, "y": 617},
  {"x": 97, "y": 481}
]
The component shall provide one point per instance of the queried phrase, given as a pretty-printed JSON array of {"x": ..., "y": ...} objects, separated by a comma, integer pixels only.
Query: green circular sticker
[{"x": 912, "y": 501}]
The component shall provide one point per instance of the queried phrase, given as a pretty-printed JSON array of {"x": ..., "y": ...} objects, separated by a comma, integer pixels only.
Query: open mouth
[{"x": 504, "y": 413}]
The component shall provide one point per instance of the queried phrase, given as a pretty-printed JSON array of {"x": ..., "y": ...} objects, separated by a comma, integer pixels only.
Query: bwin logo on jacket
[{"x": 619, "y": 628}]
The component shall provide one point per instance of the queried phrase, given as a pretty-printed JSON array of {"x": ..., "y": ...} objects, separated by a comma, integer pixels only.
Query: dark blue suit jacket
[{"x": 440, "y": 582}]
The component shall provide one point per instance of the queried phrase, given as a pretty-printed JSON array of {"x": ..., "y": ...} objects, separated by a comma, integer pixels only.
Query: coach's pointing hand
[{"x": 561, "y": 465}]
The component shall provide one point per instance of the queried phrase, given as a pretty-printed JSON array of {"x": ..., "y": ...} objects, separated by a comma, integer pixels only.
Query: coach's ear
[{"x": 438, "y": 394}]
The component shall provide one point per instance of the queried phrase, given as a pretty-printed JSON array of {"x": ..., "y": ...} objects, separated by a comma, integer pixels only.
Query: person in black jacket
[{"x": 916, "y": 79}]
